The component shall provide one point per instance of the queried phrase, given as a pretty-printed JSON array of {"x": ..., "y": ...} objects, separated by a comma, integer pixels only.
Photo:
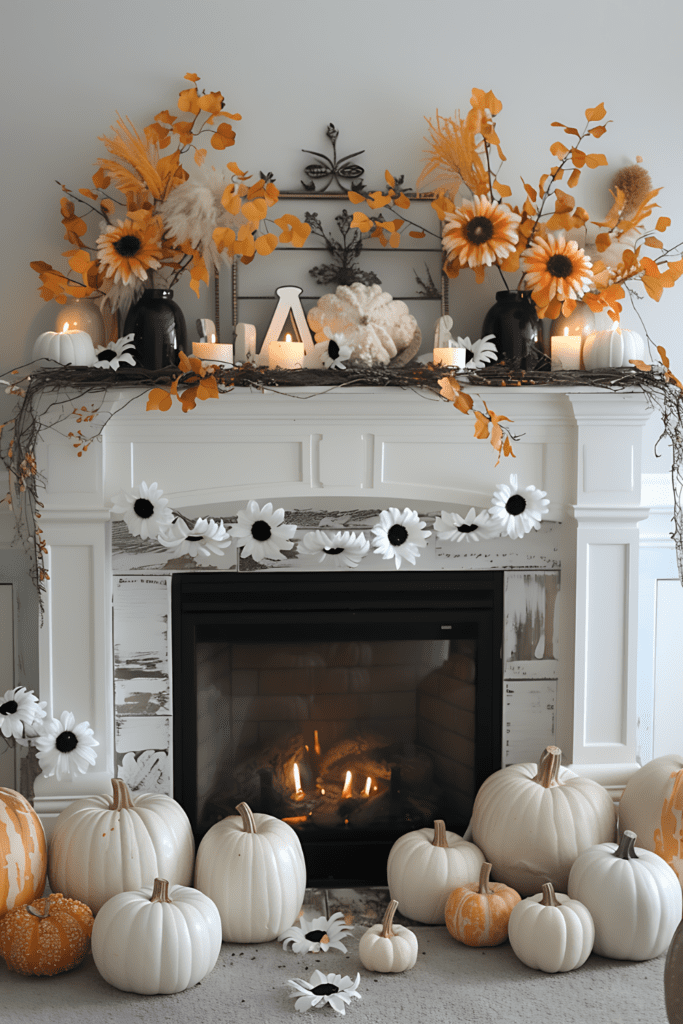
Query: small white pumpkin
[
  {"x": 634, "y": 896},
  {"x": 531, "y": 822},
  {"x": 551, "y": 932},
  {"x": 252, "y": 867},
  {"x": 156, "y": 940},
  {"x": 74, "y": 348},
  {"x": 425, "y": 866},
  {"x": 101, "y": 846},
  {"x": 651, "y": 807},
  {"x": 388, "y": 947},
  {"x": 613, "y": 347}
]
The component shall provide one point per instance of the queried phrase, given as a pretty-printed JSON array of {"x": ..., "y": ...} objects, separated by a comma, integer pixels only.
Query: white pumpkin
[
  {"x": 156, "y": 940},
  {"x": 551, "y": 932},
  {"x": 651, "y": 806},
  {"x": 252, "y": 867},
  {"x": 102, "y": 846},
  {"x": 425, "y": 866},
  {"x": 613, "y": 347},
  {"x": 377, "y": 328},
  {"x": 532, "y": 821},
  {"x": 73, "y": 348},
  {"x": 634, "y": 897},
  {"x": 388, "y": 947}
]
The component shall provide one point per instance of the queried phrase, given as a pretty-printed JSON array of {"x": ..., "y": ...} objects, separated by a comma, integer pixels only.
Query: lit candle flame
[
  {"x": 65, "y": 328},
  {"x": 288, "y": 338},
  {"x": 366, "y": 788},
  {"x": 346, "y": 791},
  {"x": 566, "y": 331},
  {"x": 298, "y": 791},
  {"x": 316, "y": 742},
  {"x": 213, "y": 339}
]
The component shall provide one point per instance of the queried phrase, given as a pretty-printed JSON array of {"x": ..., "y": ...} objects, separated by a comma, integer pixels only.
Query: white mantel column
[{"x": 607, "y": 512}]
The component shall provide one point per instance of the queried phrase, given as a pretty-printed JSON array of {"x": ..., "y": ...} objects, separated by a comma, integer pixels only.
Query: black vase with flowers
[
  {"x": 159, "y": 330},
  {"x": 513, "y": 320}
]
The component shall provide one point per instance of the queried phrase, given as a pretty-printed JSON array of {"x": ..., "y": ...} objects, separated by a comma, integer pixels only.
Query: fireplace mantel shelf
[{"x": 372, "y": 446}]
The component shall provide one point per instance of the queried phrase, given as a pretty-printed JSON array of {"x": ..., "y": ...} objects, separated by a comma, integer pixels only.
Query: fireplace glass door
[{"x": 355, "y": 709}]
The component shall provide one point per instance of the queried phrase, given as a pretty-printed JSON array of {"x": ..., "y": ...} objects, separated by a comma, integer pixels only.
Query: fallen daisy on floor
[{"x": 322, "y": 989}]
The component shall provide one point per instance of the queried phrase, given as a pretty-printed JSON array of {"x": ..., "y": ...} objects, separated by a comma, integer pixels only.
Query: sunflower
[
  {"x": 144, "y": 512},
  {"x": 65, "y": 748},
  {"x": 555, "y": 268},
  {"x": 516, "y": 511},
  {"x": 317, "y": 934},
  {"x": 400, "y": 535},
  {"x": 344, "y": 549},
  {"x": 20, "y": 709},
  {"x": 129, "y": 248},
  {"x": 261, "y": 532},
  {"x": 479, "y": 233},
  {"x": 204, "y": 541},
  {"x": 472, "y": 527},
  {"x": 322, "y": 989}
]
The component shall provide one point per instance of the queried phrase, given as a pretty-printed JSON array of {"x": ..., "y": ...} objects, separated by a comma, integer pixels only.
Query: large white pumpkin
[
  {"x": 551, "y": 932},
  {"x": 425, "y": 866},
  {"x": 102, "y": 846},
  {"x": 633, "y": 895},
  {"x": 252, "y": 867},
  {"x": 652, "y": 807},
  {"x": 532, "y": 821},
  {"x": 157, "y": 939},
  {"x": 74, "y": 348}
]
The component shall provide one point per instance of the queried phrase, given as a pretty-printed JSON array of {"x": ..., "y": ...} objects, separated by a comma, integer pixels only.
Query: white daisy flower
[
  {"x": 473, "y": 527},
  {"x": 261, "y": 532},
  {"x": 324, "y": 988},
  {"x": 330, "y": 354},
  {"x": 116, "y": 352},
  {"x": 399, "y": 535},
  {"x": 516, "y": 511},
  {"x": 65, "y": 748},
  {"x": 344, "y": 550},
  {"x": 19, "y": 710},
  {"x": 144, "y": 511},
  {"x": 316, "y": 935},
  {"x": 483, "y": 351},
  {"x": 205, "y": 540}
]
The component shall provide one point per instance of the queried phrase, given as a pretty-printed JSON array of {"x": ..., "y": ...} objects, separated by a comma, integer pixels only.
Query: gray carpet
[{"x": 450, "y": 983}]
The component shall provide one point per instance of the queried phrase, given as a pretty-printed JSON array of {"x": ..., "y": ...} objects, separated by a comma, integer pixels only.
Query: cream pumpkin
[
  {"x": 23, "y": 852},
  {"x": 252, "y": 867},
  {"x": 477, "y": 914},
  {"x": 551, "y": 932},
  {"x": 614, "y": 347},
  {"x": 102, "y": 846},
  {"x": 532, "y": 821},
  {"x": 425, "y": 866},
  {"x": 652, "y": 807},
  {"x": 387, "y": 947}
]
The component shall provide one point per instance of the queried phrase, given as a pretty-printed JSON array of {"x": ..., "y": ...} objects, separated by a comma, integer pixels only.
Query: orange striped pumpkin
[
  {"x": 478, "y": 914},
  {"x": 46, "y": 937},
  {"x": 23, "y": 852}
]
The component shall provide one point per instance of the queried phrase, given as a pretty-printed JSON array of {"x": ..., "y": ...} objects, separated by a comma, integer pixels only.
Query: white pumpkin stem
[
  {"x": 548, "y": 767},
  {"x": 388, "y": 920},
  {"x": 440, "y": 833},
  {"x": 625, "y": 848},
  {"x": 37, "y": 913},
  {"x": 247, "y": 815},
  {"x": 484, "y": 872},
  {"x": 549, "y": 897},
  {"x": 160, "y": 892},
  {"x": 122, "y": 798}
]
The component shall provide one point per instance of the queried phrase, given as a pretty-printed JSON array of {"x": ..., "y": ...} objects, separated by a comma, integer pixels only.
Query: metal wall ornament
[{"x": 338, "y": 169}]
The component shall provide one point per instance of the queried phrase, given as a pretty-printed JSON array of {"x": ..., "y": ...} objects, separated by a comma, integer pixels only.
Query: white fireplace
[{"x": 360, "y": 449}]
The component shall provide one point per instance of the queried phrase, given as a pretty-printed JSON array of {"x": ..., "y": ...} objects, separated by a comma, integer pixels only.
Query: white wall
[{"x": 373, "y": 68}]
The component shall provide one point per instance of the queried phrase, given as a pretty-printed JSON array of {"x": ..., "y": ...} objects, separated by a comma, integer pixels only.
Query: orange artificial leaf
[
  {"x": 159, "y": 399},
  {"x": 207, "y": 388},
  {"x": 93, "y": 195},
  {"x": 389, "y": 178},
  {"x": 165, "y": 117},
  {"x": 640, "y": 365},
  {"x": 361, "y": 221},
  {"x": 40, "y": 266},
  {"x": 199, "y": 157},
  {"x": 603, "y": 242},
  {"x": 190, "y": 364},
  {"x": 402, "y": 201},
  {"x": 183, "y": 130},
  {"x": 265, "y": 244},
  {"x": 663, "y": 223},
  {"x": 563, "y": 201},
  {"x": 598, "y": 131},
  {"x": 530, "y": 191},
  {"x": 653, "y": 242},
  {"x": 108, "y": 206},
  {"x": 255, "y": 211},
  {"x": 481, "y": 429},
  {"x": 578, "y": 157},
  {"x": 417, "y": 234},
  {"x": 188, "y": 101},
  {"x": 231, "y": 201},
  {"x": 232, "y": 166},
  {"x": 507, "y": 448},
  {"x": 596, "y": 113},
  {"x": 223, "y": 137},
  {"x": 80, "y": 262},
  {"x": 449, "y": 387},
  {"x": 100, "y": 179},
  {"x": 502, "y": 190},
  {"x": 187, "y": 399},
  {"x": 191, "y": 77},
  {"x": 355, "y": 197},
  {"x": 653, "y": 287},
  {"x": 649, "y": 266},
  {"x": 559, "y": 150},
  {"x": 156, "y": 134},
  {"x": 293, "y": 230},
  {"x": 463, "y": 402},
  {"x": 596, "y": 160},
  {"x": 394, "y": 240},
  {"x": 574, "y": 177},
  {"x": 376, "y": 200},
  {"x": 211, "y": 102}
]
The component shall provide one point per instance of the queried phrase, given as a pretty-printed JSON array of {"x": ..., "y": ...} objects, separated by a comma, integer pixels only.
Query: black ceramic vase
[
  {"x": 514, "y": 322},
  {"x": 159, "y": 328}
]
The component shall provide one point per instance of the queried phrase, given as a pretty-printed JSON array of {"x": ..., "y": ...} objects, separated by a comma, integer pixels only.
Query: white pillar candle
[
  {"x": 286, "y": 355},
  {"x": 245, "y": 343},
  {"x": 212, "y": 353},
  {"x": 565, "y": 351},
  {"x": 449, "y": 357}
]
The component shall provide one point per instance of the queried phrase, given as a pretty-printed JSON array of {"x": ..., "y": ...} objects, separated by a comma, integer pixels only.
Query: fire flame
[
  {"x": 366, "y": 788},
  {"x": 298, "y": 791},
  {"x": 316, "y": 742},
  {"x": 347, "y": 791}
]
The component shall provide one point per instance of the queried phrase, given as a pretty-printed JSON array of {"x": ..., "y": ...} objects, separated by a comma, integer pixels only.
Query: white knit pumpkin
[
  {"x": 532, "y": 822},
  {"x": 377, "y": 328}
]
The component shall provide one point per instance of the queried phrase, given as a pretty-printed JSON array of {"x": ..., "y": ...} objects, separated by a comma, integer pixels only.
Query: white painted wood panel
[
  {"x": 668, "y": 669},
  {"x": 7, "y": 754}
]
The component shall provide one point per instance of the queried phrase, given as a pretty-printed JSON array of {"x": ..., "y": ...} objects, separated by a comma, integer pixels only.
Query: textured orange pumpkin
[
  {"x": 478, "y": 914},
  {"x": 47, "y": 937},
  {"x": 23, "y": 852}
]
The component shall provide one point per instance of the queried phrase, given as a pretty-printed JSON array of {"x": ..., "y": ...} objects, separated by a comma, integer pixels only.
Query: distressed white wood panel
[
  {"x": 537, "y": 550},
  {"x": 147, "y": 771},
  {"x": 668, "y": 669},
  {"x": 606, "y": 643},
  {"x": 7, "y": 772},
  {"x": 135, "y": 734},
  {"x": 528, "y": 719},
  {"x": 142, "y": 659},
  {"x": 530, "y": 633}
]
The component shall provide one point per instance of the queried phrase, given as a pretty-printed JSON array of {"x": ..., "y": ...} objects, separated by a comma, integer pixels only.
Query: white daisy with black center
[
  {"x": 261, "y": 532},
  {"x": 115, "y": 353},
  {"x": 322, "y": 989},
  {"x": 205, "y": 540},
  {"x": 517, "y": 511},
  {"x": 483, "y": 351},
  {"x": 317, "y": 935},
  {"x": 19, "y": 711},
  {"x": 473, "y": 527},
  {"x": 145, "y": 512},
  {"x": 399, "y": 535},
  {"x": 343, "y": 549},
  {"x": 65, "y": 748}
]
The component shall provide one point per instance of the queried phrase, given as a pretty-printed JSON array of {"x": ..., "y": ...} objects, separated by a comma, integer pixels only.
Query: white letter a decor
[{"x": 288, "y": 308}]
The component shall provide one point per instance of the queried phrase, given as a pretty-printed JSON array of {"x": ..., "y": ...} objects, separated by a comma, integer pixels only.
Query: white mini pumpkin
[
  {"x": 425, "y": 866},
  {"x": 74, "y": 348},
  {"x": 101, "y": 846},
  {"x": 633, "y": 895},
  {"x": 551, "y": 932},
  {"x": 651, "y": 806},
  {"x": 613, "y": 347},
  {"x": 156, "y": 940},
  {"x": 252, "y": 867},
  {"x": 388, "y": 947},
  {"x": 532, "y": 821},
  {"x": 377, "y": 328}
]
